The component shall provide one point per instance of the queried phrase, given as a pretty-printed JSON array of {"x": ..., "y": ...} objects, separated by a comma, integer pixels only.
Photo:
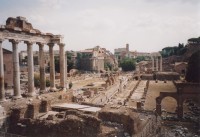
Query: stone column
[
  {"x": 31, "y": 91},
  {"x": 2, "y": 89},
  {"x": 16, "y": 71},
  {"x": 42, "y": 68},
  {"x": 66, "y": 83},
  {"x": 160, "y": 63},
  {"x": 152, "y": 63},
  {"x": 62, "y": 65},
  {"x": 156, "y": 63},
  {"x": 52, "y": 67}
]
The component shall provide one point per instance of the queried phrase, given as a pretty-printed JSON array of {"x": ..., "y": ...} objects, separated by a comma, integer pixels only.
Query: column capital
[
  {"x": 28, "y": 43},
  {"x": 13, "y": 41},
  {"x": 61, "y": 44},
  {"x": 40, "y": 44},
  {"x": 50, "y": 44}
]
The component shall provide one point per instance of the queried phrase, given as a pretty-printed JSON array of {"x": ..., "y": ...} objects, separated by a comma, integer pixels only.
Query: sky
[{"x": 146, "y": 25}]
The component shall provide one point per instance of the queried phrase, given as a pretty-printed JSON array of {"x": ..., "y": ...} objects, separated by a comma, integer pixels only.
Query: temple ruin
[{"x": 19, "y": 30}]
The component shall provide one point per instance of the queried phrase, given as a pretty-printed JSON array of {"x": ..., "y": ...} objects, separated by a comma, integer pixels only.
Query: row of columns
[
  {"x": 16, "y": 69},
  {"x": 157, "y": 60}
]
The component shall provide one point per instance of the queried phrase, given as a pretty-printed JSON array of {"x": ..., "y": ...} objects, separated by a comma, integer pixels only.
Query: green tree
[
  {"x": 193, "y": 71},
  {"x": 78, "y": 62},
  {"x": 57, "y": 64},
  {"x": 127, "y": 64},
  {"x": 176, "y": 50},
  {"x": 140, "y": 58},
  {"x": 70, "y": 63},
  {"x": 108, "y": 65}
]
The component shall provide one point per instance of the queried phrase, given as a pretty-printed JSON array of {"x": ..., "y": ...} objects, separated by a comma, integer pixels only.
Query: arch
[
  {"x": 161, "y": 97},
  {"x": 169, "y": 103}
]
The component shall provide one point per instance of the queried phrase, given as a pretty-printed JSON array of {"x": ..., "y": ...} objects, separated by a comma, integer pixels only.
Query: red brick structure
[
  {"x": 184, "y": 91},
  {"x": 180, "y": 67}
]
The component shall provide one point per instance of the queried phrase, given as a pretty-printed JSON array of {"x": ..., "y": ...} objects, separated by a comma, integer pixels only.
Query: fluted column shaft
[
  {"x": 31, "y": 91},
  {"x": 42, "y": 68},
  {"x": 160, "y": 63},
  {"x": 52, "y": 67},
  {"x": 62, "y": 65},
  {"x": 2, "y": 89},
  {"x": 16, "y": 71}
]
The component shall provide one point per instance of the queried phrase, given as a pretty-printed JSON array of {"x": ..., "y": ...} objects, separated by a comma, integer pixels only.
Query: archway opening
[{"x": 168, "y": 106}]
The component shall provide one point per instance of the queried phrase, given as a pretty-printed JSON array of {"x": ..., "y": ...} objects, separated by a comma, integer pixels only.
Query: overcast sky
[{"x": 147, "y": 25}]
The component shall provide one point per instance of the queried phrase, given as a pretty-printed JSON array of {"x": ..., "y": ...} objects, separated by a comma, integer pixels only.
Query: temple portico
[
  {"x": 19, "y": 30},
  {"x": 156, "y": 61}
]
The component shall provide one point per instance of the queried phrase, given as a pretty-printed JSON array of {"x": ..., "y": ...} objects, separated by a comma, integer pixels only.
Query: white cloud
[{"x": 147, "y": 25}]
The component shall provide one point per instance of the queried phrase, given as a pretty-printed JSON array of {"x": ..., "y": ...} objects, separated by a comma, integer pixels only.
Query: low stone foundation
[
  {"x": 73, "y": 124},
  {"x": 122, "y": 116}
]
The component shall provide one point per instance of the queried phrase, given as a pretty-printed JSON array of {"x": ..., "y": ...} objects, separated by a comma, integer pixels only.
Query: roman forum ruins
[
  {"x": 19, "y": 30},
  {"x": 101, "y": 100}
]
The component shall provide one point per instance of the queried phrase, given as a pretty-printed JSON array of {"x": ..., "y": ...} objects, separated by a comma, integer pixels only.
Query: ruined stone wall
[
  {"x": 119, "y": 117},
  {"x": 147, "y": 77},
  {"x": 72, "y": 124},
  {"x": 170, "y": 76}
]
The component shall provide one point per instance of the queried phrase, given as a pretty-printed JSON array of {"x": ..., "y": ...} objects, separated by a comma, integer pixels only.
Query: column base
[
  {"x": 42, "y": 90},
  {"x": 17, "y": 97},
  {"x": 63, "y": 89},
  {"x": 53, "y": 89},
  {"x": 31, "y": 94}
]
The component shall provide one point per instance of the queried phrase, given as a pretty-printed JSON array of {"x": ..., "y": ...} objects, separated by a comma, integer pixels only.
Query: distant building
[
  {"x": 94, "y": 59},
  {"x": 23, "y": 59},
  {"x": 91, "y": 59},
  {"x": 121, "y": 53},
  {"x": 8, "y": 68}
]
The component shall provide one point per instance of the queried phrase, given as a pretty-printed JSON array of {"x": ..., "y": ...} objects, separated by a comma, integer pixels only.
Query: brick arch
[
  {"x": 161, "y": 97},
  {"x": 184, "y": 91}
]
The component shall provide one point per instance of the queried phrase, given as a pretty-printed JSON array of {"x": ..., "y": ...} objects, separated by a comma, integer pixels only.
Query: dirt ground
[{"x": 168, "y": 103}]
